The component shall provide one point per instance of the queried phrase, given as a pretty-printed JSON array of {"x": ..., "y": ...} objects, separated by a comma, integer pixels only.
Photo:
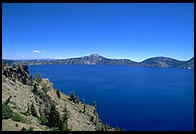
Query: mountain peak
[{"x": 94, "y": 55}]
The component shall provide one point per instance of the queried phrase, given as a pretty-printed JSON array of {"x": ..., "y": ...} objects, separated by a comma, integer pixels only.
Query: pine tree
[
  {"x": 24, "y": 80},
  {"x": 8, "y": 100},
  {"x": 65, "y": 115},
  {"x": 43, "y": 118},
  {"x": 38, "y": 77},
  {"x": 33, "y": 110},
  {"x": 23, "y": 129},
  {"x": 54, "y": 117},
  {"x": 31, "y": 81},
  {"x": 35, "y": 89},
  {"x": 15, "y": 77},
  {"x": 5, "y": 63},
  {"x": 63, "y": 124},
  {"x": 95, "y": 106},
  {"x": 77, "y": 100},
  {"x": 84, "y": 105},
  {"x": 73, "y": 97},
  {"x": 84, "y": 108},
  {"x": 58, "y": 93}
]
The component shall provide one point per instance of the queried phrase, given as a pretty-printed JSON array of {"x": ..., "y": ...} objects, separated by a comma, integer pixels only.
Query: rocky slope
[
  {"x": 96, "y": 59},
  {"x": 18, "y": 91}
]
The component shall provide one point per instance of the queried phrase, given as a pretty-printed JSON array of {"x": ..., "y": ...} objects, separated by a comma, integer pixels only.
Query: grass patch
[
  {"x": 25, "y": 129},
  {"x": 14, "y": 107},
  {"x": 33, "y": 110},
  {"x": 6, "y": 111},
  {"x": 18, "y": 118}
]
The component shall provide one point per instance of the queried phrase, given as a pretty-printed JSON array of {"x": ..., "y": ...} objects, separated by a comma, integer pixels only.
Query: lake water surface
[{"x": 134, "y": 98}]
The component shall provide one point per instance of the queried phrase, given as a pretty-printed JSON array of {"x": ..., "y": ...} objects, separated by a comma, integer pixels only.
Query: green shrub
[
  {"x": 31, "y": 129},
  {"x": 14, "y": 107},
  {"x": 95, "y": 106},
  {"x": 119, "y": 129},
  {"x": 107, "y": 127},
  {"x": 65, "y": 115},
  {"x": 33, "y": 110},
  {"x": 18, "y": 118},
  {"x": 43, "y": 118},
  {"x": 31, "y": 81},
  {"x": 38, "y": 77},
  {"x": 54, "y": 128},
  {"x": 8, "y": 100},
  {"x": 45, "y": 88},
  {"x": 54, "y": 117},
  {"x": 24, "y": 80},
  {"x": 40, "y": 94},
  {"x": 77, "y": 100},
  {"x": 84, "y": 105},
  {"x": 15, "y": 77},
  {"x": 24, "y": 129},
  {"x": 35, "y": 88},
  {"x": 84, "y": 108},
  {"x": 6, "y": 111},
  {"x": 37, "y": 92},
  {"x": 61, "y": 125},
  {"x": 92, "y": 118}
]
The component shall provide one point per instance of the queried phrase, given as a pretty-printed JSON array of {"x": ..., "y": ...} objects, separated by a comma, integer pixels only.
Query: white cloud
[{"x": 36, "y": 51}]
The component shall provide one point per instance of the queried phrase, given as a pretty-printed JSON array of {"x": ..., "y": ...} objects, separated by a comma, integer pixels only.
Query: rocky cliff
[{"x": 28, "y": 103}]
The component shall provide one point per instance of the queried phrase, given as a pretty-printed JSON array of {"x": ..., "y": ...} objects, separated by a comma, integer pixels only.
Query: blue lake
[{"x": 134, "y": 98}]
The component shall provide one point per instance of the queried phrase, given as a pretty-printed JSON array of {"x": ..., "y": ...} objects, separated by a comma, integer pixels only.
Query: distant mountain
[
  {"x": 96, "y": 59},
  {"x": 161, "y": 62},
  {"x": 188, "y": 64}
]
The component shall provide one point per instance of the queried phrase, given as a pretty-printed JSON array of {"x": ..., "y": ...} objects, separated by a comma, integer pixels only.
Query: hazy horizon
[{"x": 93, "y": 53}]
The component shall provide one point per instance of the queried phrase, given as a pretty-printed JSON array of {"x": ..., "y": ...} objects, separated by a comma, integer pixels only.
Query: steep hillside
[{"x": 33, "y": 104}]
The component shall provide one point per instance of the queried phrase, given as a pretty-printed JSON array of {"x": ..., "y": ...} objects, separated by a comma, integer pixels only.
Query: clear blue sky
[{"x": 129, "y": 30}]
